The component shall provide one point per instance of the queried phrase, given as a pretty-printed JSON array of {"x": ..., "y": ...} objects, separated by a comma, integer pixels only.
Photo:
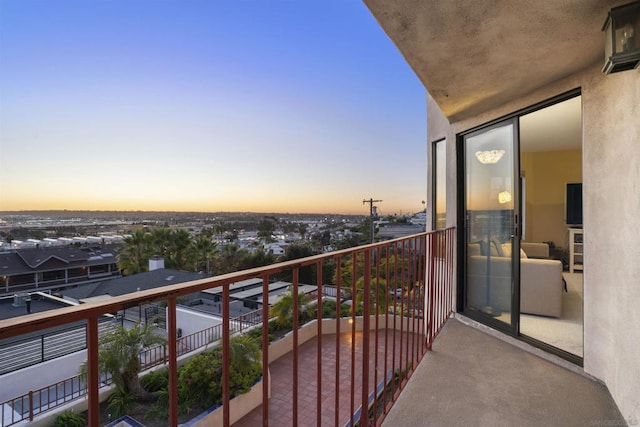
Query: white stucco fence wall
[
  {"x": 19, "y": 382},
  {"x": 191, "y": 321}
]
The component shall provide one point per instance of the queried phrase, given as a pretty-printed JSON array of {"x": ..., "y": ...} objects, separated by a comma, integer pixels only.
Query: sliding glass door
[{"x": 491, "y": 224}]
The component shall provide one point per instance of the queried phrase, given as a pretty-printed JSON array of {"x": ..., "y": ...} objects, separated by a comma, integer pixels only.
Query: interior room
[{"x": 551, "y": 158}]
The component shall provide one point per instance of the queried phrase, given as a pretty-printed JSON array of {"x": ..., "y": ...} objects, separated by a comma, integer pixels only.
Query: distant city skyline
[{"x": 206, "y": 106}]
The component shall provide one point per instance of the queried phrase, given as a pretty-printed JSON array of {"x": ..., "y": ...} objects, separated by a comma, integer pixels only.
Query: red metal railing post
[
  {"x": 295, "y": 302},
  {"x": 366, "y": 321},
  {"x": 354, "y": 297},
  {"x": 319, "y": 346},
  {"x": 386, "y": 325},
  {"x": 338, "y": 321},
  {"x": 265, "y": 351},
  {"x": 225, "y": 355},
  {"x": 404, "y": 304},
  {"x": 30, "y": 405},
  {"x": 173, "y": 361},
  {"x": 93, "y": 372},
  {"x": 432, "y": 305}
]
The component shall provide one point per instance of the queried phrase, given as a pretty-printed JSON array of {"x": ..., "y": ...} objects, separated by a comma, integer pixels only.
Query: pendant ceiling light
[{"x": 489, "y": 156}]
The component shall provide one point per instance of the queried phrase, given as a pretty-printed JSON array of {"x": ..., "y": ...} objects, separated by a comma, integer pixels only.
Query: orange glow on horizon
[
  {"x": 100, "y": 205},
  {"x": 354, "y": 208}
]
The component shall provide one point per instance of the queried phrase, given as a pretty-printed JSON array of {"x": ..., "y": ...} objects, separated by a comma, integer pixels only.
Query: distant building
[
  {"x": 47, "y": 268},
  {"x": 395, "y": 230},
  {"x": 276, "y": 249}
]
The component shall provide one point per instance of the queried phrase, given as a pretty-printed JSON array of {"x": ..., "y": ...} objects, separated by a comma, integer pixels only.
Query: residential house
[{"x": 47, "y": 268}]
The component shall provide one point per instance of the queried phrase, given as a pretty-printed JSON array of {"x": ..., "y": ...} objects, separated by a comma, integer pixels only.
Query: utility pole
[{"x": 371, "y": 213}]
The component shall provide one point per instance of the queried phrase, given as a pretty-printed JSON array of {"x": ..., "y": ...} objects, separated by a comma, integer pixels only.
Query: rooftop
[
  {"x": 39, "y": 304},
  {"x": 23, "y": 261},
  {"x": 137, "y": 282}
]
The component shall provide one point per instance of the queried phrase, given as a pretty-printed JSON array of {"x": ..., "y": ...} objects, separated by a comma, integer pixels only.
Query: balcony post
[
  {"x": 30, "y": 405},
  {"x": 265, "y": 351},
  {"x": 366, "y": 321},
  {"x": 431, "y": 281},
  {"x": 425, "y": 278},
  {"x": 338, "y": 321},
  {"x": 296, "y": 313},
  {"x": 173, "y": 361},
  {"x": 319, "y": 344},
  {"x": 225, "y": 355},
  {"x": 93, "y": 372}
]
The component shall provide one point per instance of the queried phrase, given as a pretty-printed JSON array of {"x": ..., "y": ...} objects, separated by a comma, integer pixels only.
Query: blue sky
[{"x": 265, "y": 106}]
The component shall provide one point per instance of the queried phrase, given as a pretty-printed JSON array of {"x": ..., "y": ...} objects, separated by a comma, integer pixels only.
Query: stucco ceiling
[{"x": 473, "y": 55}]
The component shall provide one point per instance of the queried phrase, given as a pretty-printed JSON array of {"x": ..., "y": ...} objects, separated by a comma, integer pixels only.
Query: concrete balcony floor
[{"x": 474, "y": 379}]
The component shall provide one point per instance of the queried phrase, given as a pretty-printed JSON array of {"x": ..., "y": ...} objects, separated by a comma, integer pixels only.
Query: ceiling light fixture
[
  {"x": 504, "y": 197},
  {"x": 489, "y": 156}
]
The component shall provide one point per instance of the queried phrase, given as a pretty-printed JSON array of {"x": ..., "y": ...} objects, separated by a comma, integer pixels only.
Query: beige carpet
[{"x": 566, "y": 332}]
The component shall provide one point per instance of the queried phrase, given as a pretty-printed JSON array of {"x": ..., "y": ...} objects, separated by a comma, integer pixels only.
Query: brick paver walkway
[{"x": 281, "y": 402}]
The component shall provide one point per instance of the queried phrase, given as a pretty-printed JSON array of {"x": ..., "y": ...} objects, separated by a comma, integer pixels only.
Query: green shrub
[
  {"x": 155, "y": 380},
  {"x": 200, "y": 379},
  {"x": 121, "y": 402},
  {"x": 329, "y": 310},
  {"x": 242, "y": 381},
  {"x": 160, "y": 410},
  {"x": 70, "y": 419}
]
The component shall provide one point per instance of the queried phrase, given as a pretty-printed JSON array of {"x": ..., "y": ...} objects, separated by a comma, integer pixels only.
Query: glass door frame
[
  {"x": 511, "y": 328},
  {"x": 514, "y": 328}
]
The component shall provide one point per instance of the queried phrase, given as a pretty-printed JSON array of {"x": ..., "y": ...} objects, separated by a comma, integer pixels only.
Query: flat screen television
[{"x": 574, "y": 204}]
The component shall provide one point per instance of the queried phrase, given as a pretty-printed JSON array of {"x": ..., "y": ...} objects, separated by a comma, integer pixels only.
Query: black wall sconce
[{"x": 622, "y": 38}]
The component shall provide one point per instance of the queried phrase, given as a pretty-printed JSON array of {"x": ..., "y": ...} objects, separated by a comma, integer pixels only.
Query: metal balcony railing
[{"x": 402, "y": 288}]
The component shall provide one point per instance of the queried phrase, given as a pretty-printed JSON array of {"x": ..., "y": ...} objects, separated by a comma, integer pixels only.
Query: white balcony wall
[
  {"x": 41, "y": 375},
  {"x": 190, "y": 321}
]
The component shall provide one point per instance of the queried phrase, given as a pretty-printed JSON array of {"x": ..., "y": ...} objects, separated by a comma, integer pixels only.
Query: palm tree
[
  {"x": 202, "y": 251},
  {"x": 283, "y": 309},
  {"x": 161, "y": 241},
  {"x": 266, "y": 228},
  {"x": 244, "y": 351},
  {"x": 177, "y": 255},
  {"x": 255, "y": 259},
  {"x": 346, "y": 272},
  {"x": 118, "y": 356},
  {"x": 302, "y": 229},
  {"x": 228, "y": 259},
  {"x": 377, "y": 294},
  {"x": 134, "y": 256}
]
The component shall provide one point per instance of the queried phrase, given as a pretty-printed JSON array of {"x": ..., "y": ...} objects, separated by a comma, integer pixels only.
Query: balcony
[
  {"x": 331, "y": 366},
  {"x": 403, "y": 288}
]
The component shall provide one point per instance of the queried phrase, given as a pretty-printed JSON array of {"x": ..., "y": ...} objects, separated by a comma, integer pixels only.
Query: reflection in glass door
[{"x": 491, "y": 232}]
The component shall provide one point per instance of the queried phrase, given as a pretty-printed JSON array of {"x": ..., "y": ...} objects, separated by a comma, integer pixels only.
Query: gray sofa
[{"x": 540, "y": 279}]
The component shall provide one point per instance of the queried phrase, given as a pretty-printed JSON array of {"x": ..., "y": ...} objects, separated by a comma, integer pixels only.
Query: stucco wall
[
  {"x": 41, "y": 375},
  {"x": 611, "y": 174},
  {"x": 190, "y": 321},
  {"x": 611, "y": 115},
  {"x": 436, "y": 130}
]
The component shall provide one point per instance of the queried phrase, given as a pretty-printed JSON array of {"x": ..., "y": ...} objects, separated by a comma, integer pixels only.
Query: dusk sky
[{"x": 262, "y": 105}]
